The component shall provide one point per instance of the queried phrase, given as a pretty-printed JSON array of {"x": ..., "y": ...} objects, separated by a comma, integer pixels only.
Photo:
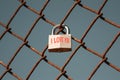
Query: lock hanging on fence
[{"x": 59, "y": 42}]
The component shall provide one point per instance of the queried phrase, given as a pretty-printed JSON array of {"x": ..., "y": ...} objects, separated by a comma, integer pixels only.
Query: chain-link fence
[{"x": 24, "y": 35}]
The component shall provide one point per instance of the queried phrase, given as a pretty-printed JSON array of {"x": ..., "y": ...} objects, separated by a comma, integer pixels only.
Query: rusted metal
[
  {"x": 17, "y": 51},
  {"x": 102, "y": 6},
  {"x": 69, "y": 11},
  {"x": 36, "y": 21},
  {"x": 89, "y": 27},
  {"x": 98, "y": 12},
  {"x": 111, "y": 44},
  {"x": 34, "y": 67},
  {"x": 96, "y": 68},
  {"x": 15, "y": 13},
  {"x": 42, "y": 54},
  {"x": 8, "y": 70},
  {"x": 69, "y": 58}
]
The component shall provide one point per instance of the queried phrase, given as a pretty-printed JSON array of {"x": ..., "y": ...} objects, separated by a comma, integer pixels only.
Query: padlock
[{"x": 59, "y": 42}]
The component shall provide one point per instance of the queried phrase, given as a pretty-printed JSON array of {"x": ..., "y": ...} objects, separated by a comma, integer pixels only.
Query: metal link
[{"x": 43, "y": 57}]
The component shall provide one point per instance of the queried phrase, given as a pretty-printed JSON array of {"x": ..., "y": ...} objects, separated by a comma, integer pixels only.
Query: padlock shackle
[{"x": 57, "y": 26}]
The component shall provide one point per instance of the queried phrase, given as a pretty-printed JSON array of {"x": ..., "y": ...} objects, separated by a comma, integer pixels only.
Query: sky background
[{"x": 83, "y": 62}]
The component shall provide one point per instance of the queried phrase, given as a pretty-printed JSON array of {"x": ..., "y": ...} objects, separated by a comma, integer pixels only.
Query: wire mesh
[{"x": 23, "y": 42}]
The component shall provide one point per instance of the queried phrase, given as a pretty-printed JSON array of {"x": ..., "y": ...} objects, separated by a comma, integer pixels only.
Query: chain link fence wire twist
[{"x": 43, "y": 56}]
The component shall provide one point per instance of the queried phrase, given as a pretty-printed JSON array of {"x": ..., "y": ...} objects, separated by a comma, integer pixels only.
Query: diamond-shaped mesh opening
[{"x": 24, "y": 29}]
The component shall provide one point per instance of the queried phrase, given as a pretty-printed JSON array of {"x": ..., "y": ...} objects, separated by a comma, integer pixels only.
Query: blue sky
[{"x": 83, "y": 62}]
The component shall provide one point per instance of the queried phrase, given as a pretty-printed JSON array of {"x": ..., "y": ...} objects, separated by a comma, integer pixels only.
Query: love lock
[{"x": 59, "y": 42}]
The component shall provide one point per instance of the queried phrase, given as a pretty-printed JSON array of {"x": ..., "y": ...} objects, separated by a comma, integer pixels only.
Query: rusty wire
[{"x": 43, "y": 57}]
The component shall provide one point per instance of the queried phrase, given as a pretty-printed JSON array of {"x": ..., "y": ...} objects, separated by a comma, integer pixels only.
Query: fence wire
[{"x": 43, "y": 57}]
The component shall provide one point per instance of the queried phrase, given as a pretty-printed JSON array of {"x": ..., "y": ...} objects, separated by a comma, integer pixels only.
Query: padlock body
[{"x": 59, "y": 43}]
